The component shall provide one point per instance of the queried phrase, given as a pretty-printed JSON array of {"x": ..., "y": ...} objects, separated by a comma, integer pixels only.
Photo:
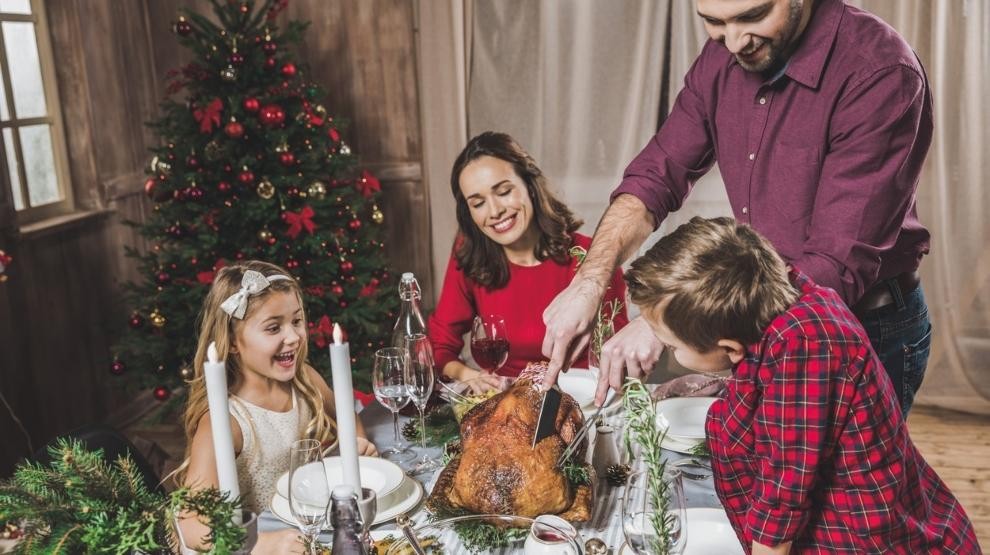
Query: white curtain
[{"x": 578, "y": 84}]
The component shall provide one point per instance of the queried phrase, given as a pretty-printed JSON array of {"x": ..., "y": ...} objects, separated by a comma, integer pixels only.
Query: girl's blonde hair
[{"x": 215, "y": 325}]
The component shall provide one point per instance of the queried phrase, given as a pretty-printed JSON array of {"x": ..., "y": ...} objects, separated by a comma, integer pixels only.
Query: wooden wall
[{"x": 62, "y": 307}]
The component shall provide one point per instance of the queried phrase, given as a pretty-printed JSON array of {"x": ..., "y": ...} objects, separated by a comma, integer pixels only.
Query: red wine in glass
[{"x": 489, "y": 345}]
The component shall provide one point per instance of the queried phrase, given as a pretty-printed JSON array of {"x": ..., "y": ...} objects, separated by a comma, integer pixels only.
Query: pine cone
[
  {"x": 616, "y": 474},
  {"x": 410, "y": 430}
]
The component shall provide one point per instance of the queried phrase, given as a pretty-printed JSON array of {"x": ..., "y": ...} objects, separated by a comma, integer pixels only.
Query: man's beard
[{"x": 780, "y": 49}]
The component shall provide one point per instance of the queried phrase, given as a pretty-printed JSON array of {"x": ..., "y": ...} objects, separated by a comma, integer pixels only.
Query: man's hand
[
  {"x": 366, "y": 448},
  {"x": 568, "y": 319},
  {"x": 633, "y": 352}
]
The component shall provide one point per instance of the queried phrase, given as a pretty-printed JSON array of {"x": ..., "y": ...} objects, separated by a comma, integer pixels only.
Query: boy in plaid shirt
[{"x": 809, "y": 450}]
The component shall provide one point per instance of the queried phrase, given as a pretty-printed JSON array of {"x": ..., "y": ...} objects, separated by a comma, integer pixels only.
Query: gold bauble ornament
[
  {"x": 228, "y": 73},
  {"x": 317, "y": 190},
  {"x": 265, "y": 189},
  {"x": 377, "y": 216},
  {"x": 282, "y": 148},
  {"x": 186, "y": 373},
  {"x": 319, "y": 109},
  {"x": 345, "y": 150},
  {"x": 213, "y": 150},
  {"x": 264, "y": 235},
  {"x": 157, "y": 319}
]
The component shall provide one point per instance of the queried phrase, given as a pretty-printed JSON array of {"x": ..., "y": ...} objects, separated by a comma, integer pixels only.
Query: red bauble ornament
[
  {"x": 289, "y": 69},
  {"x": 269, "y": 48},
  {"x": 236, "y": 58},
  {"x": 182, "y": 27},
  {"x": 161, "y": 393},
  {"x": 117, "y": 367},
  {"x": 287, "y": 158},
  {"x": 150, "y": 185},
  {"x": 354, "y": 225},
  {"x": 270, "y": 63},
  {"x": 246, "y": 177},
  {"x": 346, "y": 267},
  {"x": 292, "y": 192},
  {"x": 234, "y": 130},
  {"x": 292, "y": 264},
  {"x": 135, "y": 321},
  {"x": 271, "y": 115},
  {"x": 162, "y": 278},
  {"x": 342, "y": 303},
  {"x": 192, "y": 162},
  {"x": 251, "y": 104},
  {"x": 315, "y": 120},
  {"x": 179, "y": 195},
  {"x": 336, "y": 290},
  {"x": 224, "y": 187},
  {"x": 271, "y": 240},
  {"x": 194, "y": 193}
]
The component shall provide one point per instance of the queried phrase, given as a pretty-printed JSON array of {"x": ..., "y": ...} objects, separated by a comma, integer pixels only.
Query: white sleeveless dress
[{"x": 267, "y": 437}]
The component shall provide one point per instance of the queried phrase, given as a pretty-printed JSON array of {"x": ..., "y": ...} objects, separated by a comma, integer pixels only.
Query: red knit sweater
[{"x": 520, "y": 303}]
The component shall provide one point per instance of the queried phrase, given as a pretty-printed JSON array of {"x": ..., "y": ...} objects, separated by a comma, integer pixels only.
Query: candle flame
[
  {"x": 211, "y": 353},
  {"x": 338, "y": 334}
]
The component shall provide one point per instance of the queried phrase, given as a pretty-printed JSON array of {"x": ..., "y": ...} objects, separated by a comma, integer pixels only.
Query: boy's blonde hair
[
  {"x": 216, "y": 325},
  {"x": 723, "y": 280}
]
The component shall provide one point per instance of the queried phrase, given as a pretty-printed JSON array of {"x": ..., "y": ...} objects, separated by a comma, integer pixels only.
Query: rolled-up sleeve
[
  {"x": 662, "y": 175},
  {"x": 790, "y": 432}
]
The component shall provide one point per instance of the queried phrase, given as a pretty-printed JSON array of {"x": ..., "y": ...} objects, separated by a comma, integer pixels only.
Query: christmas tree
[{"x": 251, "y": 166}]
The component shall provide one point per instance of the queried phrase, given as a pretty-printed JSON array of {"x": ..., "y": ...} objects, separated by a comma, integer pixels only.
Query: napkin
[{"x": 691, "y": 385}]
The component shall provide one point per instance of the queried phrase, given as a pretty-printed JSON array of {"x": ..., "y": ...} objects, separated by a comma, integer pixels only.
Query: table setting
[{"x": 400, "y": 487}]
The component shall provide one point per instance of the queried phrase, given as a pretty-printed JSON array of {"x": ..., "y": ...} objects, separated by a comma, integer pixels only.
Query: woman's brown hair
[{"x": 482, "y": 259}]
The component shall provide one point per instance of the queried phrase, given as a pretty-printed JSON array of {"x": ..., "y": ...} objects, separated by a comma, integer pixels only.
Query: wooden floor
[{"x": 956, "y": 444}]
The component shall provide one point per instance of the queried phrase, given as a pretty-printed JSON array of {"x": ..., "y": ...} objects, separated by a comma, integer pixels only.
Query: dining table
[{"x": 606, "y": 519}]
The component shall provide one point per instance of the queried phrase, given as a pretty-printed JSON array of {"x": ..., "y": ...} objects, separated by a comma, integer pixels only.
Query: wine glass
[
  {"x": 389, "y": 382},
  {"x": 654, "y": 516},
  {"x": 489, "y": 342},
  {"x": 309, "y": 491},
  {"x": 419, "y": 381}
]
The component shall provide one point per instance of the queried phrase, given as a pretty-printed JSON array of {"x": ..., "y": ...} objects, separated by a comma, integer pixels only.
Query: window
[{"x": 34, "y": 169}]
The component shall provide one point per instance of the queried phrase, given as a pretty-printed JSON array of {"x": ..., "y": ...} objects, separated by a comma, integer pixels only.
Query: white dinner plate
[
  {"x": 581, "y": 384},
  {"x": 684, "y": 417},
  {"x": 380, "y": 475},
  {"x": 404, "y": 499},
  {"x": 709, "y": 533}
]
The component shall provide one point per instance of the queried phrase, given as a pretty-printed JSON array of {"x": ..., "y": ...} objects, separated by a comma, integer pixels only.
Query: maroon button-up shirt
[
  {"x": 824, "y": 160},
  {"x": 808, "y": 444}
]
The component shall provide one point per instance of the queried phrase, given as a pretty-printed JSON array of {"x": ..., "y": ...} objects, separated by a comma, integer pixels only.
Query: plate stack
[
  {"x": 396, "y": 492},
  {"x": 684, "y": 420}
]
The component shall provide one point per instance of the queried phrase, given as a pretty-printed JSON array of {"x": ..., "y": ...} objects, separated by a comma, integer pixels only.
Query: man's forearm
[{"x": 623, "y": 228}]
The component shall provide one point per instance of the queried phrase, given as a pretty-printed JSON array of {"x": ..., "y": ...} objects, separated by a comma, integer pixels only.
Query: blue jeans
[{"x": 901, "y": 335}]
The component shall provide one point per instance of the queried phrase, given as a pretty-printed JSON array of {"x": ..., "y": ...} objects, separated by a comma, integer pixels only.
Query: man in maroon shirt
[{"x": 819, "y": 116}]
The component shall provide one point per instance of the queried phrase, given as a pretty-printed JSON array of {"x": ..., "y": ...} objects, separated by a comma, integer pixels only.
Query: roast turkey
[{"x": 499, "y": 471}]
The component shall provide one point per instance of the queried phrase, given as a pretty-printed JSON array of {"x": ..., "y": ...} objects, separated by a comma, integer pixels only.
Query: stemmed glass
[
  {"x": 309, "y": 491},
  {"x": 419, "y": 381},
  {"x": 388, "y": 378},
  {"x": 654, "y": 515},
  {"x": 489, "y": 342}
]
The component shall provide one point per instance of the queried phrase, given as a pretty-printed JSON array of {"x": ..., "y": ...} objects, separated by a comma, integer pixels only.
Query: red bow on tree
[
  {"x": 208, "y": 116},
  {"x": 322, "y": 332},
  {"x": 368, "y": 184},
  {"x": 298, "y": 221}
]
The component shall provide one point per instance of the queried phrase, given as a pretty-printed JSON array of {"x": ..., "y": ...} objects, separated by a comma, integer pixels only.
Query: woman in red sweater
[{"x": 511, "y": 257}]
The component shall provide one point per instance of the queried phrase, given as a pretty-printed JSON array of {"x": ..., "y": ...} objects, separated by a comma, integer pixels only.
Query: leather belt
[{"x": 880, "y": 294}]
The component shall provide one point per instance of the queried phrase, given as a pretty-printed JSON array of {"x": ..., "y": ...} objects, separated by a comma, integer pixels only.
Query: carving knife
[{"x": 548, "y": 415}]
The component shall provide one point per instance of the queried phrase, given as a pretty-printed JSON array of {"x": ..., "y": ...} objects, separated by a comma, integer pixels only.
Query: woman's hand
[
  {"x": 282, "y": 541},
  {"x": 366, "y": 448},
  {"x": 480, "y": 382}
]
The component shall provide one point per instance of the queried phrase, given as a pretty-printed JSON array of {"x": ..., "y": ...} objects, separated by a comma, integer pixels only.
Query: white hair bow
[{"x": 252, "y": 283}]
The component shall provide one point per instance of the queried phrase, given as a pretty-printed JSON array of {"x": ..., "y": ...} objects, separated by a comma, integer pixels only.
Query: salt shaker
[{"x": 606, "y": 452}]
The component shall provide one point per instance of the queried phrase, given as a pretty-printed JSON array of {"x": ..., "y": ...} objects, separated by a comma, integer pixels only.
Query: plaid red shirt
[{"x": 808, "y": 444}]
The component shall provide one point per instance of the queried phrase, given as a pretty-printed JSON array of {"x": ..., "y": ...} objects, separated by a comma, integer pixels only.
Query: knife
[
  {"x": 579, "y": 436},
  {"x": 548, "y": 415}
]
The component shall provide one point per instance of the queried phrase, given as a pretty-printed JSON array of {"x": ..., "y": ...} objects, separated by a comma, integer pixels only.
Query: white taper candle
[
  {"x": 215, "y": 372},
  {"x": 343, "y": 396}
]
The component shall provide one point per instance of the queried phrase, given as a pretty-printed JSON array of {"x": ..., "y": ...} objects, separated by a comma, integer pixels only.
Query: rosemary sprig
[
  {"x": 700, "y": 450},
  {"x": 641, "y": 429},
  {"x": 479, "y": 537},
  {"x": 604, "y": 327},
  {"x": 577, "y": 474}
]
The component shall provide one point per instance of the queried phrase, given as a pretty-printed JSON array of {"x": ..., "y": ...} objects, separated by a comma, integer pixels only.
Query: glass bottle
[
  {"x": 410, "y": 321},
  {"x": 346, "y": 520}
]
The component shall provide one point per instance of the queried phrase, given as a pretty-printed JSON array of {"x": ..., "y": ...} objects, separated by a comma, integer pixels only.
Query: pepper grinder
[{"x": 606, "y": 451}]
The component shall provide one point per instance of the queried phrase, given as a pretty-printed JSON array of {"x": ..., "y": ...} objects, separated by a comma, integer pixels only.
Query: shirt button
[
  {"x": 763, "y": 100},
  {"x": 745, "y": 210},
  {"x": 752, "y": 156}
]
